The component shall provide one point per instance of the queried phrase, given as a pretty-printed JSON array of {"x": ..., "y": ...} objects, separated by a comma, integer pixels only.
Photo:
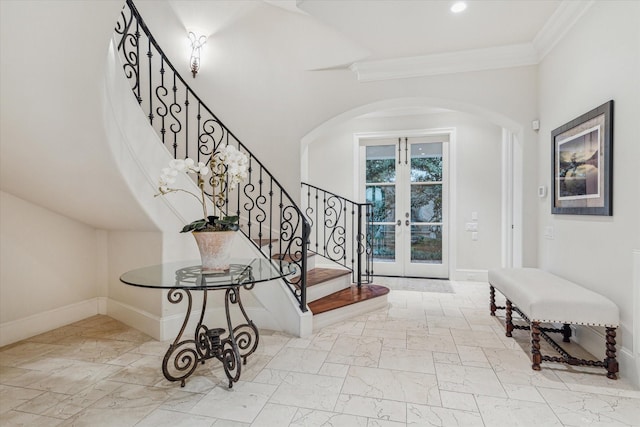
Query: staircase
[{"x": 334, "y": 260}]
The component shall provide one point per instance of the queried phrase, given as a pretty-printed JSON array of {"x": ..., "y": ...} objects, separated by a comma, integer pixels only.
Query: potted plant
[{"x": 214, "y": 234}]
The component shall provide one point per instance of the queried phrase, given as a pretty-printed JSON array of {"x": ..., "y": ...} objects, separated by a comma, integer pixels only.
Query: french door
[{"x": 405, "y": 179}]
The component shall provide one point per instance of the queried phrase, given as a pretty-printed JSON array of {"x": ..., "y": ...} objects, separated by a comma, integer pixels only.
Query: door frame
[{"x": 358, "y": 139}]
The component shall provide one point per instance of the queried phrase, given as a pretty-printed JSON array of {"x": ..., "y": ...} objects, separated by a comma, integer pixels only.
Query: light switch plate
[{"x": 548, "y": 232}]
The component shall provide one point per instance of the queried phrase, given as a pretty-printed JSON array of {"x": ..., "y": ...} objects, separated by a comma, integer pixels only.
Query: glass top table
[
  {"x": 230, "y": 346},
  {"x": 188, "y": 274}
]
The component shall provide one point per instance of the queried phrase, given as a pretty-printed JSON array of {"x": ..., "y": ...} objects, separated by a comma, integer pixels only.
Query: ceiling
[
  {"x": 390, "y": 39},
  {"x": 390, "y": 29}
]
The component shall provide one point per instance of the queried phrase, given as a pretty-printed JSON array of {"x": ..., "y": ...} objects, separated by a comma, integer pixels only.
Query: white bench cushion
[{"x": 544, "y": 297}]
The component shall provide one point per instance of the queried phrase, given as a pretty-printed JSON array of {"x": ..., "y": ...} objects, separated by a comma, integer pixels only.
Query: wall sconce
[{"x": 196, "y": 45}]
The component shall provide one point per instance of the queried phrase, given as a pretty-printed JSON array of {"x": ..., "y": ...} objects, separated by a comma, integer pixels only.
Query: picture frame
[{"x": 582, "y": 164}]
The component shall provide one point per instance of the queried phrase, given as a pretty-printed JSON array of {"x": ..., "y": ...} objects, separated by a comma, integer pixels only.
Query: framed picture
[{"x": 583, "y": 164}]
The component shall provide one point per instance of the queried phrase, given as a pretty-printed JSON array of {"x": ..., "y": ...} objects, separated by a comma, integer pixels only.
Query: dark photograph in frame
[{"x": 582, "y": 181}]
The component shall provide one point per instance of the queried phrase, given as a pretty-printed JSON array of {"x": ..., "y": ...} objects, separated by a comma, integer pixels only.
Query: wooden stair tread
[
  {"x": 321, "y": 275},
  {"x": 347, "y": 297}
]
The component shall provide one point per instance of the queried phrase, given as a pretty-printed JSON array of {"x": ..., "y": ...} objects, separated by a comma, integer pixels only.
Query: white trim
[
  {"x": 166, "y": 328},
  {"x": 27, "y": 327},
  {"x": 636, "y": 315},
  {"x": 594, "y": 342},
  {"x": 507, "y": 199},
  {"x": 448, "y": 153},
  {"x": 136, "y": 318},
  {"x": 497, "y": 57},
  {"x": 515, "y": 55},
  {"x": 558, "y": 25}
]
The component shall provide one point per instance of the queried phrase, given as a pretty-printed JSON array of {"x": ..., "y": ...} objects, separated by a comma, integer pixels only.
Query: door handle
[
  {"x": 407, "y": 222},
  {"x": 399, "y": 223}
]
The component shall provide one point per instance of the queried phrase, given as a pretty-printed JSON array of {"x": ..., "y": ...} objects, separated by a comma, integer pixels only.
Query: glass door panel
[
  {"x": 426, "y": 207},
  {"x": 380, "y": 191},
  {"x": 404, "y": 182}
]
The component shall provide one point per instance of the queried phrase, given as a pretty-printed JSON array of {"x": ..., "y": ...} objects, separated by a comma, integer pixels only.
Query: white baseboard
[
  {"x": 469, "y": 275},
  {"x": 30, "y": 326},
  {"x": 167, "y": 328},
  {"x": 594, "y": 341},
  {"x": 141, "y": 320}
]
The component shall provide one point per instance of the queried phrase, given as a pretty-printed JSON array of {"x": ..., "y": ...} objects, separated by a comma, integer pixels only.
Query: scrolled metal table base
[{"x": 182, "y": 357}]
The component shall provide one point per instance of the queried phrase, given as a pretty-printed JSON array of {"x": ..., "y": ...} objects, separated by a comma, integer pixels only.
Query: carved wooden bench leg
[
  {"x": 610, "y": 362},
  {"x": 492, "y": 300},
  {"x": 508, "y": 321},
  {"x": 536, "y": 356},
  {"x": 566, "y": 333}
]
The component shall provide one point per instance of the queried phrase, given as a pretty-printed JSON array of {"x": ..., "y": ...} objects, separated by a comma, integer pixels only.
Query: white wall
[
  {"x": 477, "y": 168},
  {"x": 258, "y": 83},
  {"x": 50, "y": 272},
  {"x": 597, "y": 61}
]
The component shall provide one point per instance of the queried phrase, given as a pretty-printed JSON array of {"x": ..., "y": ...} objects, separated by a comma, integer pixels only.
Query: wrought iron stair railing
[
  {"x": 340, "y": 231},
  {"x": 188, "y": 128}
]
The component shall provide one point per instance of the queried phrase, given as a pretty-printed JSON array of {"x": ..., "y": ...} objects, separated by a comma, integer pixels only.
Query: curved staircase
[{"x": 334, "y": 263}]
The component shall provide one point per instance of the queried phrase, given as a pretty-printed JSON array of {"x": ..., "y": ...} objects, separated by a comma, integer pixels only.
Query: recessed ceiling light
[{"x": 458, "y": 7}]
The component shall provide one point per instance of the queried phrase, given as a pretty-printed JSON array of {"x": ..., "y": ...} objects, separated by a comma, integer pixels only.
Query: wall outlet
[
  {"x": 548, "y": 232},
  {"x": 471, "y": 226}
]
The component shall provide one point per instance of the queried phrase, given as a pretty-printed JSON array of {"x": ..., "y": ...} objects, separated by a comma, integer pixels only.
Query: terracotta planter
[{"x": 215, "y": 249}]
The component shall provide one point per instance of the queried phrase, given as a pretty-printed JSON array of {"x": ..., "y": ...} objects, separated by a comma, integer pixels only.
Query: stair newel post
[
  {"x": 360, "y": 247},
  {"x": 306, "y": 231}
]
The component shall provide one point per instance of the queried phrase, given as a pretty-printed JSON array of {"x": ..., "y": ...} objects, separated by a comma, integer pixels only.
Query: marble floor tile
[
  {"x": 392, "y": 385},
  {"x": 356, "y": 350},
  {"x": 377, "y": 422},
  {"x": 431, "y": 357},
  {"x": 313, "y": 418},
  {"x": 298, "y": 360},
  {"x": 429, "y": 342},
  {"x": 455, "y": 400},
  {"x": 407, "y": 360},
  {"x": 475, "y": 338},
  {"x": 322, "y": 341},
  {"x": 472, "y": 356},
  {"x": 444, "y": 322},
  {"x": 13, "y": 397},
  {"x": 275, "y": 415},
  {"x": 241, "y": 403},
  {"x": 468, "y": 379},
  {"x": 389, "y": 410},
  {"x": 580, "y": 409},
  {"x": 165, "y": 418},
  {"x": 496, "y": 410},
  {"x": 423, "y": 415},
  {"x": 334, "y": 370},
  {"x": 308, "y": 391},
  {"x": 21, "y": 419}
]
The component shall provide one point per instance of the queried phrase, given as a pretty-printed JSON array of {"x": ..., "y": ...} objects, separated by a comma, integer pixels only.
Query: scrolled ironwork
[
  {"x": 340, "y": 231},
  {"x": 188, "y": 128}
]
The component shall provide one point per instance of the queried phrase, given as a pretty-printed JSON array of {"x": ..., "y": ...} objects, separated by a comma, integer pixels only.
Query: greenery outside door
[{"x": 405, "y": 181}]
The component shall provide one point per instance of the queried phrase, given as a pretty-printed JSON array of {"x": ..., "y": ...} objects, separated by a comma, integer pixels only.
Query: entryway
[{"x": 405, "y": 178}]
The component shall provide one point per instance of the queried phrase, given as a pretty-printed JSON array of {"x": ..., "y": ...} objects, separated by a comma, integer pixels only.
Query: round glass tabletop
[{"x": 188, "y": 274}]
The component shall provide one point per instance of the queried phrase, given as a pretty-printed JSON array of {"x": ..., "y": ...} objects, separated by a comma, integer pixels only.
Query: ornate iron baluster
[
  {"x": 250, "y": 201},
  {"x": 348, "y": 243}
]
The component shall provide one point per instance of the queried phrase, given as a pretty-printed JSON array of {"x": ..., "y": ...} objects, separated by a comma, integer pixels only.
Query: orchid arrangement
[{"x": 227, "y": 165}]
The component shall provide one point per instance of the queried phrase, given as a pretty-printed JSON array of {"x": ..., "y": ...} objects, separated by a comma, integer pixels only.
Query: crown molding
[
  {"x": 565, "y": 16},
  {"x": 516, "y": 55},
  {"x": 508, "y": 56}
]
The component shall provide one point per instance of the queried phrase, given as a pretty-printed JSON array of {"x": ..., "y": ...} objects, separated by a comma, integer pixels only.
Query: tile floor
[{"x": 431, "y": 358}]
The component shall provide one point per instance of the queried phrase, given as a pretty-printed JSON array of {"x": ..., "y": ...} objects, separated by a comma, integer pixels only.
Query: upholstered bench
[{"x": 541, "y": 297}]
